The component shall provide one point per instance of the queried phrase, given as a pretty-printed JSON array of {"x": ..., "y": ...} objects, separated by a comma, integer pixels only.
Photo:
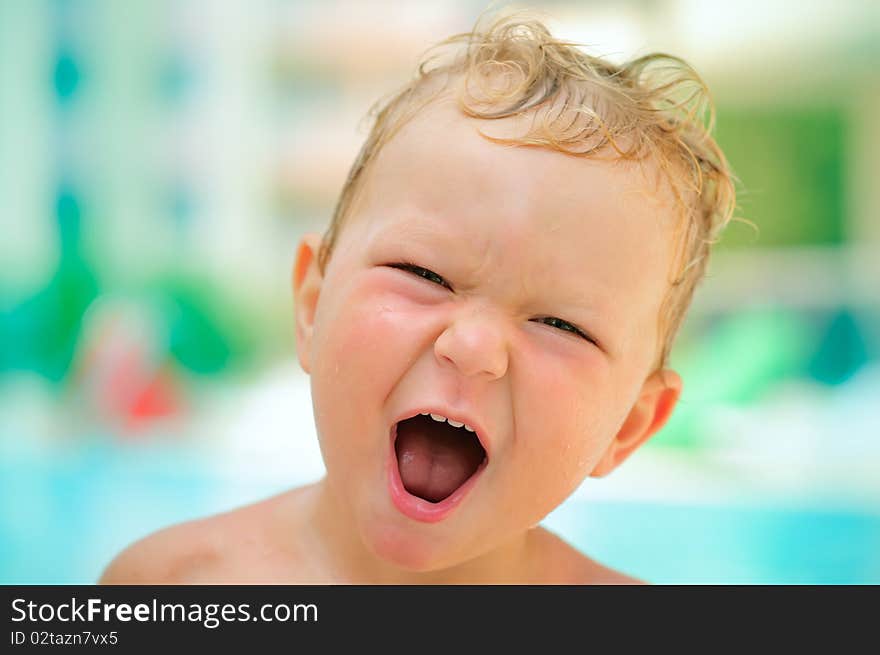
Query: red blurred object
[
  {"x": 159, "y": 398},
  {"x": 124, "y": 368}
]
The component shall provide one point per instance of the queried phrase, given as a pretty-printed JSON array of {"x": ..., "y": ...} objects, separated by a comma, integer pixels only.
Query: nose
[{"x": 475, "y": 344}]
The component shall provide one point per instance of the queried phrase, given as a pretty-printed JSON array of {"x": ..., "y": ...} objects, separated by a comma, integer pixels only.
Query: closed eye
[
  {"x": 549, "y": 320},
  {"x": 568, "y": 327},
  {"x": 421, "y": 272}
]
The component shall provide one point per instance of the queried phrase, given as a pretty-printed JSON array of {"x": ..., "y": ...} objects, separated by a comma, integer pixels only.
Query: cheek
[
  {"x": 564, "y": 429},
  {"x": 364, "y": 343},
  {"x": 366, "y": 327}
]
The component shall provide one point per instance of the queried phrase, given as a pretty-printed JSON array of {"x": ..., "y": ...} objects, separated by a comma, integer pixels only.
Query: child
[{"x": 486, "y": 322}]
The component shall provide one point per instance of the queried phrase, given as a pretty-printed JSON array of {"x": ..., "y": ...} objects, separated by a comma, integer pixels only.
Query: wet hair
[{"x": 653, "y": 108}]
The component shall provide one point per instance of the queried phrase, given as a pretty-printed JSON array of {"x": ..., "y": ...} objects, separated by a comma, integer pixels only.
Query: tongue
[{"x": 435, "y": 458}]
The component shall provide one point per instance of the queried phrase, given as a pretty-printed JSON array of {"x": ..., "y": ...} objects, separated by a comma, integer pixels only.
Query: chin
[{"x": 407, "y": 549}]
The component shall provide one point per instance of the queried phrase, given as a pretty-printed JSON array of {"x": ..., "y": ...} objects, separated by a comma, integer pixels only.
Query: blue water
[
  {"x": 64, "y": 516},
  {"x": 687, "y": 544}
]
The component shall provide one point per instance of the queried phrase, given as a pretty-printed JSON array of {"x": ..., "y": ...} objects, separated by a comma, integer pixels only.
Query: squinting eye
[
  {"x": 421, "y": 272},
  {"x": 568, "y": 327}
]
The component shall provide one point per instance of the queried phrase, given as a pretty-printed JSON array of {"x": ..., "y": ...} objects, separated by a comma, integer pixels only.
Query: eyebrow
[{"x": 415, "y": 228}]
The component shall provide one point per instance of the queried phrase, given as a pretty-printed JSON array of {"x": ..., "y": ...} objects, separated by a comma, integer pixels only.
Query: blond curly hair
[{"x": 655, "y": 107}]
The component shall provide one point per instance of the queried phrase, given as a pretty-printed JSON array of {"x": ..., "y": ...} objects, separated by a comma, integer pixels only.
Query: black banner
[{"x": 136, "y": 618}]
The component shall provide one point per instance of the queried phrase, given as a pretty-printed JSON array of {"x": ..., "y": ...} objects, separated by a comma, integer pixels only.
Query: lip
[{"x": 417, "y": 508}]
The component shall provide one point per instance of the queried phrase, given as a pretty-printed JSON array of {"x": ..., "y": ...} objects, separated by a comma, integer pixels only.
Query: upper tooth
[{"x": 440, "y": 418}]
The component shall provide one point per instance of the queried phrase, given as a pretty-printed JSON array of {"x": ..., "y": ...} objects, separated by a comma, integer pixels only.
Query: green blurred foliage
[
  {"x": 842, "y": 351},
  {"x": 790, "y": 162},
  {"x": 736, "y": 361},
  {"x": 206, "y": 333}
]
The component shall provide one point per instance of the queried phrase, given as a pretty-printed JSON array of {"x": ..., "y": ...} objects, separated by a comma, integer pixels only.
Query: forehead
[{"x": 442, "y": 150}]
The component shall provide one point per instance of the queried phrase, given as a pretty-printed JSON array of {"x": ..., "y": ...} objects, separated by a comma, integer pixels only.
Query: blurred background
[{"x": 159, "y": 161}]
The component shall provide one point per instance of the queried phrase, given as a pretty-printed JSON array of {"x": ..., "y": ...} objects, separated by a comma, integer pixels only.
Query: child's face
[{"x": 532, "y": 243}]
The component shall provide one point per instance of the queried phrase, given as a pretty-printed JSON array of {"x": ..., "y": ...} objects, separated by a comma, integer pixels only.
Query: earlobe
[
  {"x": 307, "y": 279},
  {"x": 658, "y": 398}
]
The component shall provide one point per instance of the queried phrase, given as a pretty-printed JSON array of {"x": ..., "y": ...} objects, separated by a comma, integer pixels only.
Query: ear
[
  {"x": 307, "y": 280},
  {"x": 654, "y": 406}
]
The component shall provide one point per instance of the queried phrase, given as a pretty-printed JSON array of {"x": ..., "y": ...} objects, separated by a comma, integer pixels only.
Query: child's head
[{"x": 515, "y": 248}]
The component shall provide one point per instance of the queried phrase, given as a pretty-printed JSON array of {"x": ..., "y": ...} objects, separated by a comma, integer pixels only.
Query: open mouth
[{"x": 434, "y": 458}]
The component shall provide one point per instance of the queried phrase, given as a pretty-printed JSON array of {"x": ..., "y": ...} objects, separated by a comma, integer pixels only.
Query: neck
[{"x": 340, "y": 556}]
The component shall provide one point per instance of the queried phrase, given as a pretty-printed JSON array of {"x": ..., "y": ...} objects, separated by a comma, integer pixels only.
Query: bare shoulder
[
  {"x": 164, "y": 557},
  {"x": 197, "y": 551},
  {"x": 561, "y": 563}
]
